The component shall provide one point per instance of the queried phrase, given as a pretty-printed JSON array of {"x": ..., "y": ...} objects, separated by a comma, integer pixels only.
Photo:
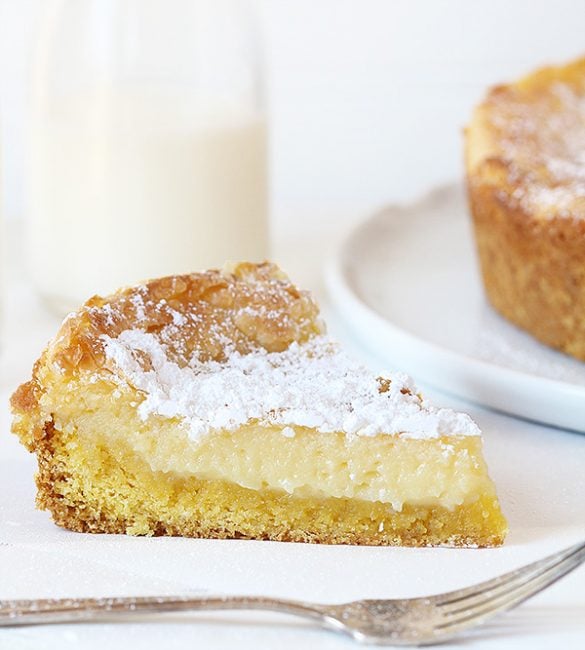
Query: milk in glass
[{"x": 150, "y": 157}]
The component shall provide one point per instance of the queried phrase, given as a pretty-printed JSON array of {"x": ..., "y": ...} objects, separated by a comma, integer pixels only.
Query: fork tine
[
  {"x": 505, "y": 581},
  {"x": 473, "y": 615}
]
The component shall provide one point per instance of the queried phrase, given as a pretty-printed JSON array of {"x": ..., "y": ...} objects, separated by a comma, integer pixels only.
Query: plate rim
[{"x": 358, "y": 314}]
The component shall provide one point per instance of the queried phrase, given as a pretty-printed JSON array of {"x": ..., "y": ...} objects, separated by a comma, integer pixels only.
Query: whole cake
[
  {"x": 525, "y": 159},
  {"x": 214, "y": 405}
]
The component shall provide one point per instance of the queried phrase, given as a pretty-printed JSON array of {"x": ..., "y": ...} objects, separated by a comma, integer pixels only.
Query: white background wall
[{"x": 368, "y": 97}]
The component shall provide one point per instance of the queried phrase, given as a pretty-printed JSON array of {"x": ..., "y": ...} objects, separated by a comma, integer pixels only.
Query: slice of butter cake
[{"x": 214, "y": 405}]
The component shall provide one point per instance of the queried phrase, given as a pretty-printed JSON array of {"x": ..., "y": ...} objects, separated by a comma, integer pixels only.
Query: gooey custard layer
[{"x": 307, "y": 421}]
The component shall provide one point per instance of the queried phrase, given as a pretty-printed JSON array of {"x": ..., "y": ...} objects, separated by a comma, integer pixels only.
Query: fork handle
[{"x": 70, "y": 610}]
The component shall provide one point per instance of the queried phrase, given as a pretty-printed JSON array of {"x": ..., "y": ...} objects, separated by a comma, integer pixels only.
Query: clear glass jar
[{"x": 148, "y": 151}]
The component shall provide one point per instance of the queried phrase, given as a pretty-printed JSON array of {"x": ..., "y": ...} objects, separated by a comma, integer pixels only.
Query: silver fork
[{"x": 411, "y": 621}]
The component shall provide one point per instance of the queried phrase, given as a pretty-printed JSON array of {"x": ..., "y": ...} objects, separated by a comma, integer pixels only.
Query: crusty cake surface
[{"x": 525, "y": 159}]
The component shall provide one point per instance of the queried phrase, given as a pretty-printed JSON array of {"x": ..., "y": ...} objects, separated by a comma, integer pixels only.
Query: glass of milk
[{"x": 148, "y": 151}]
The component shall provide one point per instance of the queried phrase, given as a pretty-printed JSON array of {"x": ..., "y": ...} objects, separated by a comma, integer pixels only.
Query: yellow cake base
[{"x": 103, "y": 498}]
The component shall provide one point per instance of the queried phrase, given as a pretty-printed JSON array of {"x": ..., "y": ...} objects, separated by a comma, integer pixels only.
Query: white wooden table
[{"x": 540, "y": 473}]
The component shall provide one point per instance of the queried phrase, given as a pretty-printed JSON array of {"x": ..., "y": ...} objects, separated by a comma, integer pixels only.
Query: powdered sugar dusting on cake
[
  {"x": 312, "y": 384},
  {"x": 542, "y": 139}
]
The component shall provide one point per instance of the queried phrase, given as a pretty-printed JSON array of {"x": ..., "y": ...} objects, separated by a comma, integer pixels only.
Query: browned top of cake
[
  {"x": 528, "y": 139},
  {"x": 243, "y": 308}
]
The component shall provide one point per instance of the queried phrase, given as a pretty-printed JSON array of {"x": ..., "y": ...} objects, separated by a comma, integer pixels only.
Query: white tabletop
[{"x": 539, "y": 472}]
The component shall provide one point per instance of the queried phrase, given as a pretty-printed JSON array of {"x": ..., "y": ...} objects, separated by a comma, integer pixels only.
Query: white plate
[{"x": 407, "y": 283}]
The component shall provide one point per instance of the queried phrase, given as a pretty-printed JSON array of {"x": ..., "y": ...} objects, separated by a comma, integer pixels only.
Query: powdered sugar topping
[
  {"x": 543, "y": 140},
  {"x": 313, "y": 385}
]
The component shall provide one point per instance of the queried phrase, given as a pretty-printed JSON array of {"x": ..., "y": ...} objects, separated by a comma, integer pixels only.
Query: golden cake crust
[
  {"x": 249, "y": 306},
  {"x": 525, "y": 167}
]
